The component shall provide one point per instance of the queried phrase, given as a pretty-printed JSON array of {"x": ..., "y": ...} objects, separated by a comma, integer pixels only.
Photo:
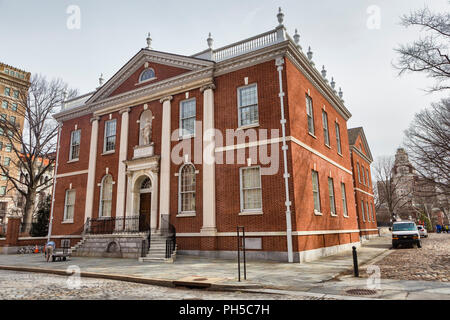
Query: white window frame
[
  {"x": 180, "y": 193},
  {"x": 149, "y": 79},
  {"x": 310, "y": 114},
  {"x": 316, "y": 173},
  {"x": 362, "y": 210},
  {"x": 102, "y": 186},
  {"x": 338, "y": 137},
  {"x": 239, "y": 106},
  {"x": 66, "y": 219},
  {"x": 181, "y": 131},
  {"x": 71, "y": 158},
  {"x": 367, "y": 211},
  {"x": 326, "y": 131},
  {"x": 106, "y": 137},
  {"x": 344, "y": 199},
  {"x": 363, "y": 175},
  {"x": 359, "y": 172},
  {"x": 241, "y": 190},
  {"x": 332, "y": 196},
  {"x": 2, "y": 190}
]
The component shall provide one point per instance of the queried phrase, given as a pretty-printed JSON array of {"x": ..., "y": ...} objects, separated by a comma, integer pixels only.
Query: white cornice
[{"x": 362, "y": 155}]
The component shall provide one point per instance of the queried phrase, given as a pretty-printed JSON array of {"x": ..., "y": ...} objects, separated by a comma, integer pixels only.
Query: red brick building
[
  {"x": 140, "y": 154},
  {"x": 362, "y": 179}
]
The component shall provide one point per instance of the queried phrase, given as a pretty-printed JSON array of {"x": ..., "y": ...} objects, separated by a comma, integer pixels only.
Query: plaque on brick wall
[{"x": 253, "y": 243}]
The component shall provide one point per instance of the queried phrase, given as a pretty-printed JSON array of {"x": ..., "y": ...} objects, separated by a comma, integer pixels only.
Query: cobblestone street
[
  {"x": 31, "y": 286},
  {"x": 430, "y": 263}
]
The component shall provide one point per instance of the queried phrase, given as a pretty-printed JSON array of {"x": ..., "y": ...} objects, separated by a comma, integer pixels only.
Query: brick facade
[{"x": 311, "y": 233}]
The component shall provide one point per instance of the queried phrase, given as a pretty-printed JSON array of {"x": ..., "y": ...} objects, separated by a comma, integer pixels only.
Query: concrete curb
[{"x": 127, "y": 278}]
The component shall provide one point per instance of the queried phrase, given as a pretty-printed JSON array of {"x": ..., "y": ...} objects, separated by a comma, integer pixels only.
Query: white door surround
[{"x": 138, "y": 171}]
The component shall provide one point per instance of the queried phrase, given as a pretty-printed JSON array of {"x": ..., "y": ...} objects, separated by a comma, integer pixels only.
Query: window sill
[
  {"x": 312, "y": 135},
  {"x": 334, "y": 215},
  {"x": 328, "y": 146},
  {"x": 186, "y": 214},
  {"x": 249, "y": 126},
  {"x": 251, "y": 213},
  {"x": 317, "y": 213},
  {"x": 192, "y": 136},
  {"x": 346, "y": 217},
  {"x": 67, "y": 222},
  {"x": 73, "y": 161},
  {"x": 146, "y": 81},
  {"x": 340, "y": 154},
  {"x": 107, "y": 153}
]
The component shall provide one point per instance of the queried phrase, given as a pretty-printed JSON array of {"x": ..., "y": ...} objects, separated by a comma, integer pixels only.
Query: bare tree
[
  {"x": 33, "y": 146},
  {"x": 428, "y": 144},
  {"x": 393, "y": 193},
  {"x": 430, "y": 53}
]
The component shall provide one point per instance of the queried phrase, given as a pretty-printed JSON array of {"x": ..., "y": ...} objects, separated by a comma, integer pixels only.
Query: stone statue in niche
[{"x": 146, "y": 132}]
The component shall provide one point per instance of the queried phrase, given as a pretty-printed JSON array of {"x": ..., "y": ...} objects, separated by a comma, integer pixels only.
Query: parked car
[
  {"x": 405, "y": 232},
  {"x": 422, "y": 231}
]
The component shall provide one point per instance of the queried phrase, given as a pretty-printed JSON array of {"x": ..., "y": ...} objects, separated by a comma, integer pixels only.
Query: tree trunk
[{"x": 29, "y": 208}]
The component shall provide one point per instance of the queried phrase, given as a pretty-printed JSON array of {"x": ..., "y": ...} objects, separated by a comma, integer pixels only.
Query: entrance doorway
[{"x": 145, "y": 205}]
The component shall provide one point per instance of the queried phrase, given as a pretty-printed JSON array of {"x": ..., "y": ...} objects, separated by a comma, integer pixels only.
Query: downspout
[
  {"x": 279, "y": 63},
  {"x": 55, "y": 172}
]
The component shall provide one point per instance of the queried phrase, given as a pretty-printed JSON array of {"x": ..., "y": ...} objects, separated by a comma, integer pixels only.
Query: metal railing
[
  {"x": 170, "y": 231},
  {"x": 113, "y": 225}
]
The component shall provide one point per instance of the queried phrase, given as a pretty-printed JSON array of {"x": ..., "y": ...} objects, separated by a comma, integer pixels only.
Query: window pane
[
  {"x": 248, "y": 105},
  {"x": 187, "y": 188},
  {"x": 325, "y": 128},
  {"x": 338, "y": 138},
  {"x": 250, "y": 178},
  {"x": 331, "y": 190},
  {"x": 344, "y": 199},
  {"x": 251, "y": 189},
  {"x": 188, "y": 126},
  {"x": 316, "y": 193},
  {"x": 248, "y": 96},
  {"x": 187, "y": 109}
]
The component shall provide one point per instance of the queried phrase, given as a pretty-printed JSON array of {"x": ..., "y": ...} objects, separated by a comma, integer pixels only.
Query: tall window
[
  {"x": 362, "y": 211},
  {"x": 187, "y": 189},
  {"x": 7, "y": 161},
  {"x": 363, "y": 175},
  {"x": 2, "y": 191},
  {"x": 367, "y": 212},
  {"x": 338, "y": 138},
  {"x": 310, "y": 114},
  {"x": 106, "y": 196},
  {"x": 368, "y": 177},
  {"x": 344, "y": 200},
  {"x": 69, "y": 205},
  {"x": 13, "y": 106},
  {"x": 5, "y": 104},
  {"x": 7, "y": 92},
  {"x": 110, "y": 136},
  {"x": 16, "y": 94},
  {"x": 147, "y": 74},
  {"x": 187, "y": 118},
  {"x": 332, "y": 200},
  {"x": 251, "y": 195},
  {"x": 359, "y": 172},
  {"x": 12, "y": 119},
  {"x": 316, "y": 191},
  {"x": 326, "y": 133},
  {"x": 75, "y": 145},
  {"x": 248, "y": 105}
]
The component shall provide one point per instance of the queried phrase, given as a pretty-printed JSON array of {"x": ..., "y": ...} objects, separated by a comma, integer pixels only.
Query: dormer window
[{"x": 147, "y": 74}]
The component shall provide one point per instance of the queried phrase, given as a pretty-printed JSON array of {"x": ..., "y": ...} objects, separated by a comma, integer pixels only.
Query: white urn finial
[
  {"x": 210, "y": 41},
  {"x": 324, "y": 73},
  {"x": 297, "y": 39},
  {"x": 341, "y": 94},
  {"x": 280, "y": 16},
  {"x": 333, "y": 83},
  {"x": 101, "y": 80},
  {"x": 149, "y": 41}
]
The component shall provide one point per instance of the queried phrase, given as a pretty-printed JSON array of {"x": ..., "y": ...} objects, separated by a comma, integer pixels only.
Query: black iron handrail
[
  {"x": 113, "y": 225},
  {"x": 170, "y": 231}
]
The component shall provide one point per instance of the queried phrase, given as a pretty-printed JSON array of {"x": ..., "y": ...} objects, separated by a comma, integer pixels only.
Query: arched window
[
  {"x": 147, "y": 74},
  {"x": 187, "y": 189},
  {"x": 146, "y": 186},
  {"x": 106, "y": 196}
]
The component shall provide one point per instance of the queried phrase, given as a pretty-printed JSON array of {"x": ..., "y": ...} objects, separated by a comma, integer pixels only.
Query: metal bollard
[{"x": 355, "y": 263}]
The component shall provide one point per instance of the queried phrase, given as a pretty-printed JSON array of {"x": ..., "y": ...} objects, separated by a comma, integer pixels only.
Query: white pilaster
[
  {"x": 209, "y": 163},
  {"x": 91, "y": 170},
  {"x": 121, "y": 176},
  {"x": 164, "y": 204}
]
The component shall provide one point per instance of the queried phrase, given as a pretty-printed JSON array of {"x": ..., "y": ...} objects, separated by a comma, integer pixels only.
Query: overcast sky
[{"x": 35, "y": 37}]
